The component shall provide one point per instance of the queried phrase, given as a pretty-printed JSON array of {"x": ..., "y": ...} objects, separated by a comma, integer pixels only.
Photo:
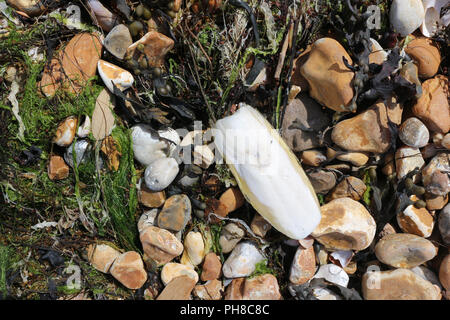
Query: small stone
[
  {"x": 160, "y": 245},
  {"x": 203, "y": 156},
  {"x": 399, "y": 284},
  {"x": 351, "y": 268},
  {"x": 313, "y": 158},
  {"x": 377, "y": 54},
  {"x": 156, "y": 46},
  {"x": 194, "y": 247},
  {"x": 82, "y": 152},
  {"x": 176, "y": 213},
  {"x": 435, "y": 176},
  {"x": 416, "y": 221},
  {"x": 73, "y": 66},
  {"x": 414, "y": 133},
  {"x": 263, "y": 287},
  {"x": 147, "y": 219},
  {"x": 172, "y": 270},
  {"x": 432, "y": 107},
  {"x": 118, "y": 40},
  {"x": 105, "y": 18},
  {"x": 303, "y": 112},
  {"x": 387, "y": 229},
  {"x": 65, "y": 133},
  {"x": 303, "y": 267},
  {"x": 446, "y": 141},
  {"x": 444, "y": 224},
  {"x": 366, "y": 132},
  {"x": 161, "y": 173},
  {"x": 426, "y": 56},
  {"x": 102, "y": 256},
  {"x": 57, "y": 168},
  {"x": 350, "y": 187},
  {"x": 330, "y": 81},
  {"x": 211, "y": 268},
  {"x": 233, "y": 199},
  {"x": 211, "y": 290},
  {"x": 147, "y": 147},
  {"x": 129, "y": 270},
  {"x": 334, "y": 274},
  {"x": 149, "y": 198},
  {"x": 112, "y": 74},
  {"x": 322, "y": 180},
  {"x": 345, "y": 225},
  {"x": 230, "y": 236},
  {"x": 179, "y": 288},
  {"x": 406, "y": 16},
  {"x": 435, "y": 202},
  {"x": 408, "y": 159},
  {"x": 358, "y": 159},
  {"x": 242, "y": 261},
  {"x": 32, "y": 8},
  {"x": 403, "y": 250},
  {"x": 260, "y": 226},
  {"x": 341, "y": 258},
  {"x": 444, "y": 272}
]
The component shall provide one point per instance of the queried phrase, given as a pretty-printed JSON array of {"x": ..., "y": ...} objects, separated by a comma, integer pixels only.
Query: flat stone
[
  {"x": 366, "y": 132},
  {"x": 416, "y": 221},
  {"x": 160, "y": 245},
  {"x": 129, "y": 270},
  {"x": 432, "y": 107},
  {"x": 149, "y": 198},
  {"x": 444, "y": 273},
  {"x": 179, "y": 288},
  {"x": 161, "y": 173},
  {"x": 156, "y": 46},
  {"x": 444, "y": 224},
  {"x": 260, "y": 226},
  {"x": 303, "y": 112},
  {"x": 435, "y": 202},
  {"x": 211, "y": 290},
  {"x": 303, "y": 266},
  {"x": 403, "y": 250},
  {"x": 211, "y": 268},
  {"x": 345, "y": 225},
  {"x": 328, "y": 78},
  {"x": 57, "y": 168},
  {"x": 233, "y": 199},
  {"x": 414, "y": 133},
  {"x": 350, "y": 187},
  {"x": 313, "y": 158},
  {"x": 65, "y": 133},
  {"x": 357, "y": 159},
  {"x": 334, "y": 274},
  {"x": 102, "y": 256},
  {"x": 175, "y": 213},
  {"x": 426, "y": 55},
  {"x": 242, "y": 261},
  {"x": 230, "y": 236},
  {"x": 322, "y": 180},
  {"x": 263, "y": 287},
  {"x": 112, "y": 74},
  {"x": 118, "y": 40},
  {"x": 399, "y": 284},
  {"x": 73, "y": 66},
  {"x": 408, "y": 159},
  {"x": 172, "y": 270},
  {"x": 406, "y": 16}
]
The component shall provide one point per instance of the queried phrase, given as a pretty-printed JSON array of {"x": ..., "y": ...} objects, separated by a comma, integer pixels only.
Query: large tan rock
[
  {"x": 328, "y": 78},
  {"x": 211, "y": 268},
  {"x": 432, "y": 107},
  {"x": 345, "y": 225},
  {"x": 426, "y": 55},
  {"x": 160, "y": 245},
  {"x": 102, "y": 256},
  {"x": 400, "y": 284},
  {"x": 128, "y": 268},
  {"x": 175, "y": 213},
  {"x": 404, "y": 250},
  {"x": 173, "y": 270},
  {"x": 73, "y": 66},
  {"x": 366, "y": 132}
]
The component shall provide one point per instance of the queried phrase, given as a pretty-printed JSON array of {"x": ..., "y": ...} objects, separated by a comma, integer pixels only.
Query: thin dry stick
[{"x": 283, "y": 52}]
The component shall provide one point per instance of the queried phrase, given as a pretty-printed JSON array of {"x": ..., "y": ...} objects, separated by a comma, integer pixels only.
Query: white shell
[
  {"x": 121, "y": 78},
  {"x": 160, "y": 173},
  {"x": 268, "y": 173},
  {"x": 406, "y": 16},
  {"x": 432, "y": 21},
  {"x": 172, "y": 135},
  {"x": 146, "y": 148}
]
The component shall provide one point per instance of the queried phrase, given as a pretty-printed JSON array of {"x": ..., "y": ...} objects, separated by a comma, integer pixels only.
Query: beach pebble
[
  {"x": 334, "y": 274},
  {"x": 414, "y": 133},
  {"x": 160, "y": 245},
  {"x": 175, "y": 213},
  {"x": 161, "y": 173},
  {"x": 230, "y": 236},
  {"x": 406, "y": 16},
  {"x": 65, "y": 133},
  {"x": 112, "y": 74},
  {"x": 118, "y": 40},
  {"x": 242, "y": 261},
  {"x": 102, "y": 256},
  {"x": 129, "y": 270},
  {"x": 211, "y": 268},
  {"x": 416, "y": 221},
  {"x": 303, "y": 266},
  {"x": 173, "y": 270}
]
